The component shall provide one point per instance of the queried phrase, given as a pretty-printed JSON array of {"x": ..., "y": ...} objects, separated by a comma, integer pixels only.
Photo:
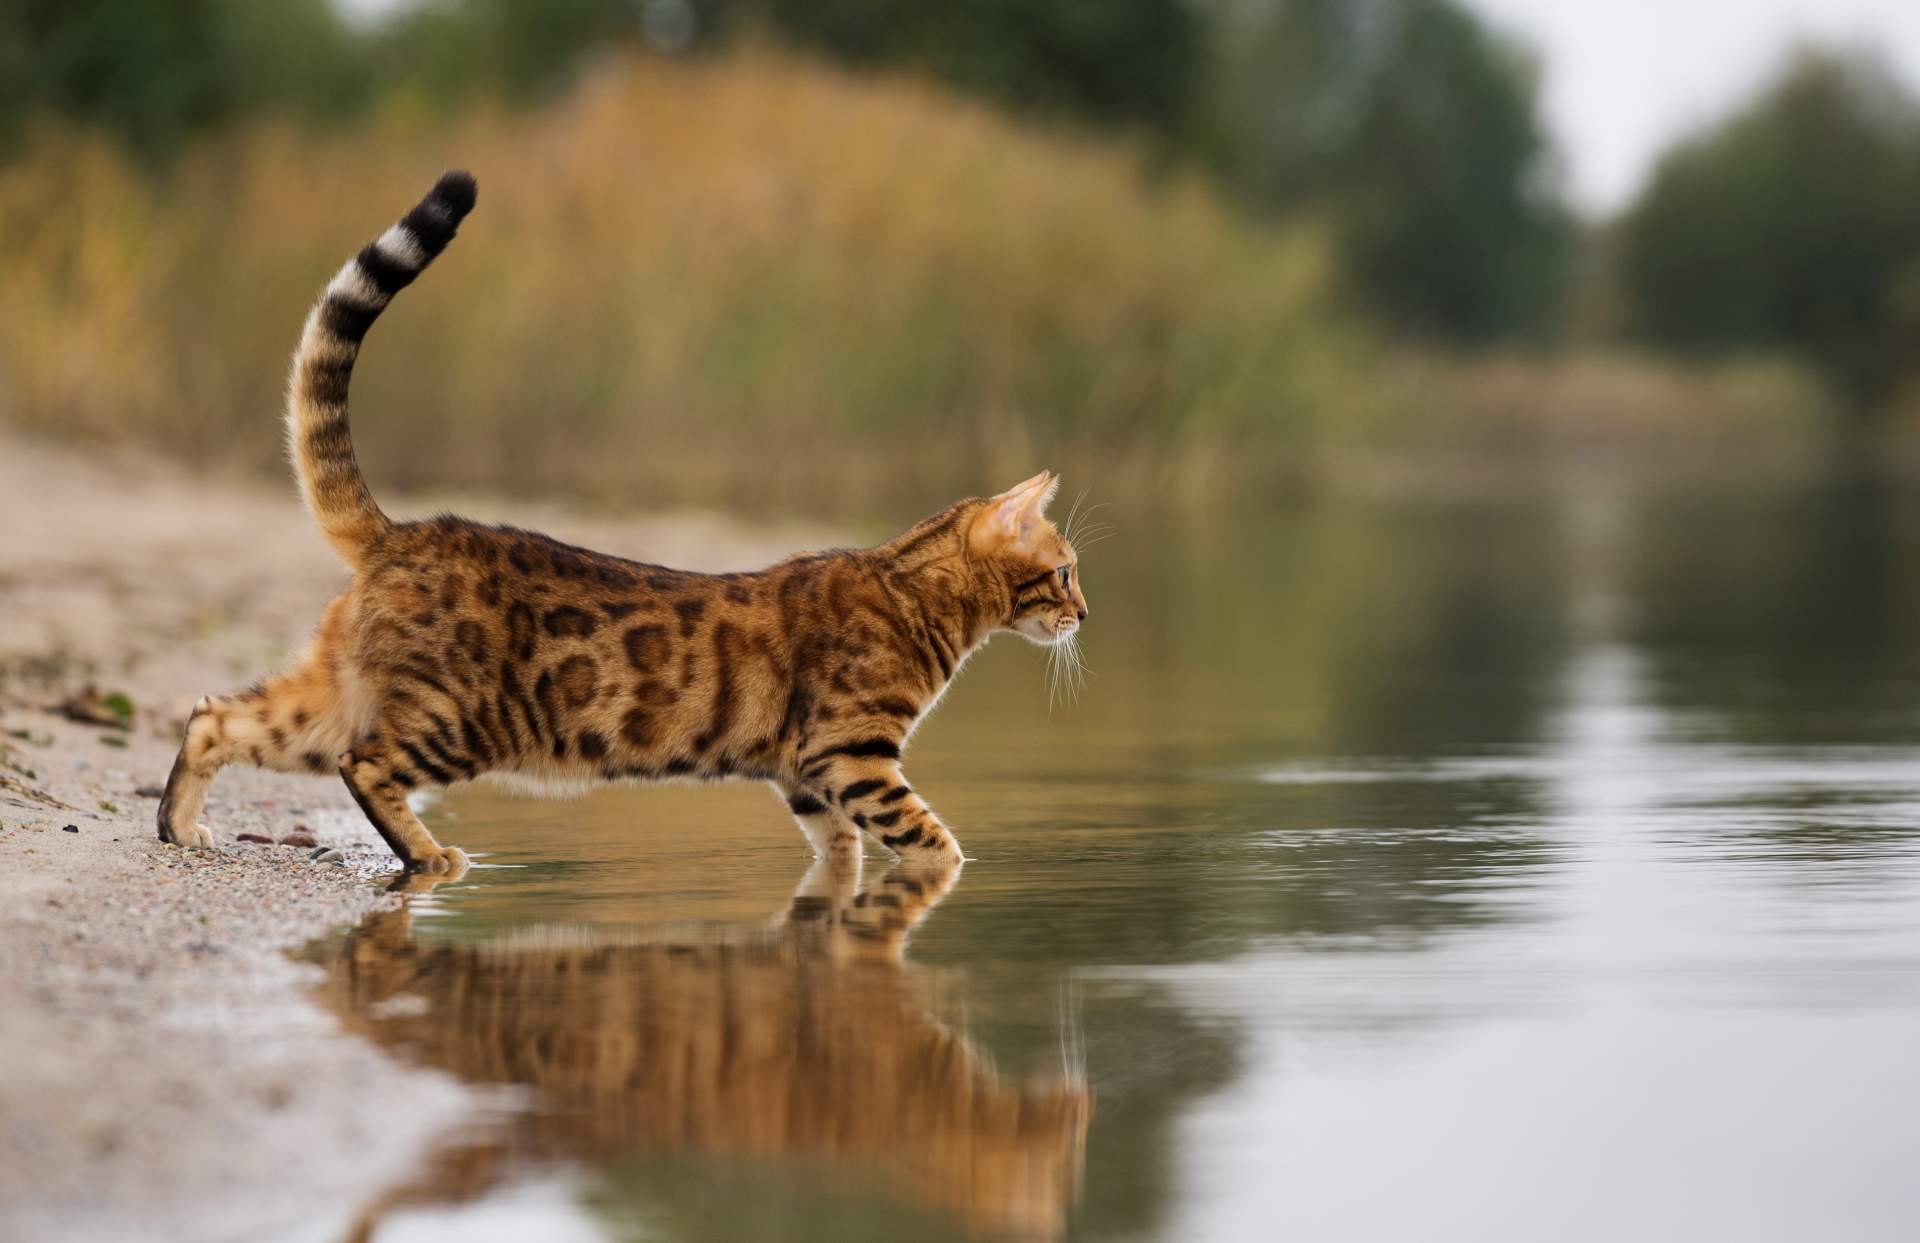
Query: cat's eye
[{"x": 1066, "y": 572}]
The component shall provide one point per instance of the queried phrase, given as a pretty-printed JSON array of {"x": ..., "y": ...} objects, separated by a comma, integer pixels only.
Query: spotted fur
[{"x": 461, "y": 650}]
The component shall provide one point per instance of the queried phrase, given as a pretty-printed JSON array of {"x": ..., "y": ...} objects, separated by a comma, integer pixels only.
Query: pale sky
[{"x": 1624, "y": 77}]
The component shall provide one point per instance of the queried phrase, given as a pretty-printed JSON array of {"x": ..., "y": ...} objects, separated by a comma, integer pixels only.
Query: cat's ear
[{"x": 1012, "y": 516}]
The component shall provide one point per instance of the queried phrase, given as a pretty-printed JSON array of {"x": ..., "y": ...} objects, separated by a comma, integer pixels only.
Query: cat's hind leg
[{"x": 290, "y": 723}]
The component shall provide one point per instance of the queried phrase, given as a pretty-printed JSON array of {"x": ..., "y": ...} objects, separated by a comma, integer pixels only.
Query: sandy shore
[{"x": 165, "y": 1074}]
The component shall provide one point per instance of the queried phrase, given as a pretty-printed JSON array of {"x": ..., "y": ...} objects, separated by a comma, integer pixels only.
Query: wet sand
[{"x": 166, "y": 1073}]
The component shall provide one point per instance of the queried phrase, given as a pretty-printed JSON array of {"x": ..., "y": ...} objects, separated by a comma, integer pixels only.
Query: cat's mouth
[{"x": 1047, "y": 633}]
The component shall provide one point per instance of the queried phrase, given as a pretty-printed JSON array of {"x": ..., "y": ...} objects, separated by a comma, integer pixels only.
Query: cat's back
[{"x": 436, "y": 573}]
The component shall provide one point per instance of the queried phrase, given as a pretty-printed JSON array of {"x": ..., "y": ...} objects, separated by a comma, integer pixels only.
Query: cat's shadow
[{"x": 810, "y": 1037}]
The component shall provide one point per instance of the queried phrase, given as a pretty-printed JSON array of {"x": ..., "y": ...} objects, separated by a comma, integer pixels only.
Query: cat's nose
[{"x": 1083, "y": 614}]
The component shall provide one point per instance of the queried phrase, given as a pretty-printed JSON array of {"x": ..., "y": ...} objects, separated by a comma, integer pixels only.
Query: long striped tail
[{"x": 318, "y": 437}]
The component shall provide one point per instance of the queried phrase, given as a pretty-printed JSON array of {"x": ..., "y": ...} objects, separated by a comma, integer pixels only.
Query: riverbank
[{"x": 166, "y": 1073}]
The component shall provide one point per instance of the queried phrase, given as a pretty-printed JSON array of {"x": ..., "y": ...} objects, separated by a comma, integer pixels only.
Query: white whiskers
[
  {"x": 1066, "y": 670},
  {"x": 1092, "y": 533}
]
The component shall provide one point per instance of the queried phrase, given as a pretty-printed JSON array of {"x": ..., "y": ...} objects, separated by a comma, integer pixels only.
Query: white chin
[{"x": 1037, "y": 631}]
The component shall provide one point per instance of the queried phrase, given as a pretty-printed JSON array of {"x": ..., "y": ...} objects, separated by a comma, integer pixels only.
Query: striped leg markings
[{"x": 867, "y": 786}]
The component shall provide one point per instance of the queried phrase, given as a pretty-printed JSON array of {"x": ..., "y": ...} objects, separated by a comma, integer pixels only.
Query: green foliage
[
  {"x": 1407, "y": 123},
  {"x": 153, "y": 74},
  {"x": 1794, "y": 224},
  {"x": 125, "y": 65},
  {"x": 121, "y": 706},
  {"x": 1134, "y": 62},
  {"x": 1414, "y": 128},
  {"x": 518, "y": 48}
]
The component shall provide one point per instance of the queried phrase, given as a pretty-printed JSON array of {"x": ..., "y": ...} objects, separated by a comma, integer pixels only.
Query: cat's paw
[
  {"x": 943, "y": 853},
  {"x": 838, "y": 849},
  {"x": 197, "y": 836},
  {"x": 443, "y": 863}
]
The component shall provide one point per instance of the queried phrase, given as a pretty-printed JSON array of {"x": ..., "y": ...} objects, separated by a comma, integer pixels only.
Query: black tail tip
[{"x": 455, "y": 192}]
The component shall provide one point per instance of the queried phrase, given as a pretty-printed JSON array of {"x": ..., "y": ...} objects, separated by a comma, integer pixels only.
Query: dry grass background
[{"x": 752, "y": 279}]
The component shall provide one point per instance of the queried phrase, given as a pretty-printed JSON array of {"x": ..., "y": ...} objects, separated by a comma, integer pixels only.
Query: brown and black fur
[{"x": 461, "y": 650}]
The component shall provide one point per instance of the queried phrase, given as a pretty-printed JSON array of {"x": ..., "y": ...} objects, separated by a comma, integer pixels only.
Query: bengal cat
[{"x": 460, "y": 650}]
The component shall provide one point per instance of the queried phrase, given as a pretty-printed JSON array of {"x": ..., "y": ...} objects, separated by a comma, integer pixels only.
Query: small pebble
[
  {"x": 254, "y": 839},
  {"x": 327, "y": 854},
  {"x": 69, "y": 828},
  {"x": 299, "y": 837},
  {"x": 148, "y": 792}
]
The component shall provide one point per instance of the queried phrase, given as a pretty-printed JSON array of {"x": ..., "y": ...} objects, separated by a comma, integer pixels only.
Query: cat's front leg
[
  {"x": 873, "y": 793},
  {"x": 827, "y": 829}
]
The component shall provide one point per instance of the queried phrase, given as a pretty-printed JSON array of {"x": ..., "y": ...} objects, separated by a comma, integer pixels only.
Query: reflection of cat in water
[{"x": 810, "y": 1039}]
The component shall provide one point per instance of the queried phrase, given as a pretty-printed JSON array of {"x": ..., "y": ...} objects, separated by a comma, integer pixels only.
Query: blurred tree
[
  {"x": 153, "y": 73},
  {"x": 1131, "y": 62},
  {"x": 125, "y": 65},
  {"x": 521, "y": 48},
  {"x": 294, "y": 56},
  {"x": 1414, "y": 127},
  {"x": 1793, "y": 224}
]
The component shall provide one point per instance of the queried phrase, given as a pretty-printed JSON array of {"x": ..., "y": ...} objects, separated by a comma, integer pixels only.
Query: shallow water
[{"x": 1534, "y": 869}]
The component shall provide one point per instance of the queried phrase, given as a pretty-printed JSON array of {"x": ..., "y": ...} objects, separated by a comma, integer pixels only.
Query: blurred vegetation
[
  {"x": 1132, "y": 63},
  {"x": 748, "y": 243},
  {"x": 681, "y": 277},
  {"x": 154, "y": 74},
  {"x": 1414, "y": 127},
  {"x": 1792, "y": 225},
  {"x": 1406, "y": 124}
]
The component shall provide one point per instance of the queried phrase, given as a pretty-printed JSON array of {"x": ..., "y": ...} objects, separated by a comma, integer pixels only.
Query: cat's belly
[
  {"x": 559, "y": 780},
  {"x": 543, "y": 783}
]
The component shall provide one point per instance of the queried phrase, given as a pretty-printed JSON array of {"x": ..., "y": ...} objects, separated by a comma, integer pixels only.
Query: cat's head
[{"x": 1012, "y": 542}]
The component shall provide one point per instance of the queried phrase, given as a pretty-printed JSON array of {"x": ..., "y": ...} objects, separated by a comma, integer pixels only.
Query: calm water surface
[{"x": 1542, "y": 869}]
